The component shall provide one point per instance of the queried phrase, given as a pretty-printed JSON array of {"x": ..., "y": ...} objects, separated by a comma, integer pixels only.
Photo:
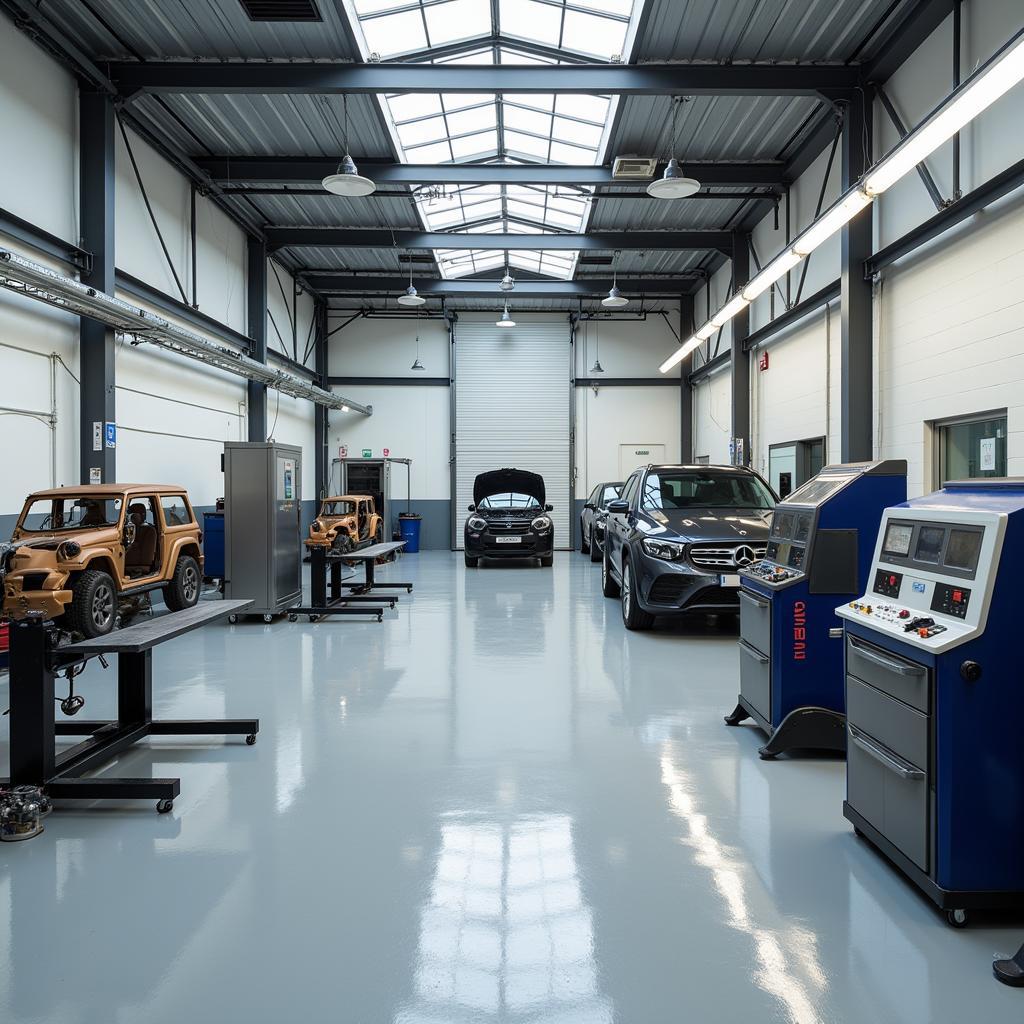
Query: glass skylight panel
[
  {"x": 417, "y": 133},
  {"x": 624, "y": 8},
  {"x": 590, "y": 33},
  {"x": 435, "y": 153},
  {"x": 390, "y": 34},
  {"x": 410, "y": 105},
  {"x": 475, "y": 119},
  {"x": 526, "y": 120},
  {"x": 480, "y": 145},
  {"x": 535, "y": 101},
  {"x": 561, "y": 153},
  {"x": 457, "y": 19},
  {"x": 586, "y": 108},
  {"x": 578, "y": 133},
  {"x": 529, "y": 145},
  {"x": 530, "y": 19},
  {"x": 374, "y": 6}
]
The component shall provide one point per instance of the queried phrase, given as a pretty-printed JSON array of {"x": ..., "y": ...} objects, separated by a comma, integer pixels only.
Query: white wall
[{"x": 712, "y": 404}]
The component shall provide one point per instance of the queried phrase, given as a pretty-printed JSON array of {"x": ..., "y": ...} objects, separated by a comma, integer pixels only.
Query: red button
[
  {"x": 958, "y": 596},
  {"x": 892, "y": 581}
]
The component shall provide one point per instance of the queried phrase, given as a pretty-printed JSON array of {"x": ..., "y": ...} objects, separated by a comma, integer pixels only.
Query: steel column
[
  {"x": 855, "y": 385},
  {"x": 739, "y": 358},
  {"x": 256, "y": 319},
  {"x": 686, "y": 325},
  {"x": 321, "y": 463},
  {"x": 96, "y": 345}
]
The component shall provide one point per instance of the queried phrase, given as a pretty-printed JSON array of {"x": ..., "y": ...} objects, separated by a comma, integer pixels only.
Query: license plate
[
  {"x": 729, "y": 580},
  {"x": 519, "y": 540}
]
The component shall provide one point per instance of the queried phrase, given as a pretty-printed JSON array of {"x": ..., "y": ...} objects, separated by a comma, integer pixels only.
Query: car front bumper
[
  {"x": 667, "y": 587},
  {"x": 486, "y": 544},
  {"x": 50, "y": 599}
]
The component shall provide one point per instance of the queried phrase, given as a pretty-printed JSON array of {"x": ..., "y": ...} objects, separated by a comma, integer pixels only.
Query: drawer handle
[
  {"x": 761, "y": 602},
  {"x": 890, "y": 761},
  {"x": 897, "y": 667},
  {"x": 836, "y": 633},
  {"x": 753, "y": 652}
]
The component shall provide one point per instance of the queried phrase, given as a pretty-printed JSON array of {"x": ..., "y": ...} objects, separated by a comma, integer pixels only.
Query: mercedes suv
[
  {"x": 508, "y": 518},
  {"x": 678, "y": 536}
]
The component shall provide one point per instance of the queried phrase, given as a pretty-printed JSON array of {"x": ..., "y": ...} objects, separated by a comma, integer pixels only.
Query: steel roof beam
[
  {"x": 377, "y": 238},
  {"x": 309, "y": 170},
  {"x": 327, "y": 283},
  {"x": 292, "y": 77}
]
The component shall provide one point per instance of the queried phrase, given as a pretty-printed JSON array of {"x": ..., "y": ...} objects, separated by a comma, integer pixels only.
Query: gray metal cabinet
[{"x": 262, "y": 531}]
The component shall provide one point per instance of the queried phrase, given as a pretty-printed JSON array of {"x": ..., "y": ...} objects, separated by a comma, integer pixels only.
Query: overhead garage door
[{"x": 512, "y": 409}]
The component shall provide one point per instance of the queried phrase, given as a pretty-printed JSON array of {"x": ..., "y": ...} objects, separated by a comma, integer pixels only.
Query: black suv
[
  {"x": 595, "y": 512},
  {"x": 678, "y": 536},
  {"x": 508, "y": 518}
]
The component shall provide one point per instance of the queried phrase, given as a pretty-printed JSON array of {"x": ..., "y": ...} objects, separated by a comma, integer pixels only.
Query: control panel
[
  {"x": 933, "y": 573},
  {"x": 769, "y": 572}
]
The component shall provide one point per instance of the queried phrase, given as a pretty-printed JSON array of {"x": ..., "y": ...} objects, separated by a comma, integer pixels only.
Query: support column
[
  {"x": 96, "y": 345},
  {"x": 686, "y": 326},
  {"x": 855, "y": 386},
  {"x": 739, "y": 359},
  {"x": 322, "y": 463},
  {"x": 256, "y": 320}
]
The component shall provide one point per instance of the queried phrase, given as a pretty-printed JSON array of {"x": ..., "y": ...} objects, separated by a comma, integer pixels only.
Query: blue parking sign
[{"x": 110, "y": 434}]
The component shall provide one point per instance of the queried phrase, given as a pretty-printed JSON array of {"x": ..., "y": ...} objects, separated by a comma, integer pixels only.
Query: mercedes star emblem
[{"x": 744, "y": 555}]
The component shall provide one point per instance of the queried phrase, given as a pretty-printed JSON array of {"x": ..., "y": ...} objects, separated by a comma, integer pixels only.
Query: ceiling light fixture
[
  {"x": 411, "y": 296},
  {"x": 597, "y": 367},
  {"x": 508, "y": 282},
  {"x": 673, "y": 184},
  {"x": 506, "y": 320},
  {"x": 347, "y": 181},
  {"x": 417, "y": 365},
  {"x": 997, "y": 76},
  {"x": 615, "y": 299}
]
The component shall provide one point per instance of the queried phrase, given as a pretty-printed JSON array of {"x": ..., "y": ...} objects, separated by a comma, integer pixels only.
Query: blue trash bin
[
  {"x": 213, "y": 545},
  {"x": 409, "y": 524}
]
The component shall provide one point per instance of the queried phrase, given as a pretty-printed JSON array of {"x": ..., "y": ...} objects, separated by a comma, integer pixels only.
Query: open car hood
[{"x": 504, "y": 481}]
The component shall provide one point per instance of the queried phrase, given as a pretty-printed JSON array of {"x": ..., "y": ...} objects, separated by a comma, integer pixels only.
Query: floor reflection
[{"x": 504, "y": 934}]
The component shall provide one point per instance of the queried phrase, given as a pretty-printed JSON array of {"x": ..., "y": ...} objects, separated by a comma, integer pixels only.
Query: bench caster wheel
[
  {"x": 250, "y": 739},
  {"x": 164, "y": 806},
  {"x": 293, "y": 618},
  {"x": 957, "y": 918},
  {"x": 232, "y": 619},
  {"x": 314, "y": 618},
  {"x": 268, "y": 619}
]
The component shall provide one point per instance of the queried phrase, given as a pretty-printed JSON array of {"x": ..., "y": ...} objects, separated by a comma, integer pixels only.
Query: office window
[
  {"x": 792, "y": 464},
  {"x": 970, "y": 447}
]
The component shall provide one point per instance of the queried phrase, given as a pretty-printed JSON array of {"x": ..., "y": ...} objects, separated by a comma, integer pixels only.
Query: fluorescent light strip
[{"x": 980, "y": 91}]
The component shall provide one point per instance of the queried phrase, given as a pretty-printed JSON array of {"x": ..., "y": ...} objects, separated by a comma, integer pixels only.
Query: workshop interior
[{"x": 511, "y": 511}]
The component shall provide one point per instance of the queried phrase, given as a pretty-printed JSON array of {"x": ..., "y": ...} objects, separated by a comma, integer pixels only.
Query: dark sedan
[
  {"x": 509, "y": 518},
  {"x": 678, "y": 536},
  {"x": 595, "y": 512}
]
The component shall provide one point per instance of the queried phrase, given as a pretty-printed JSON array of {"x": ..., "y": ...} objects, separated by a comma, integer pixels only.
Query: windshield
[
  {"x": 338, "y": 508},
  {"x": 509, "y": 499},
  {"x": 74, "y": 512},
  {"x": 691, "y": 489}
]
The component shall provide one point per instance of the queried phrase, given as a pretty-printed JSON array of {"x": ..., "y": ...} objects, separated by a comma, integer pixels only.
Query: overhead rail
[{"x": 36, "y": 281}]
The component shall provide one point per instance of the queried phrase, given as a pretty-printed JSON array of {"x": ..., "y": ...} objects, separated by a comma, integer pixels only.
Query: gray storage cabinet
[{"x": 262, "y": 532}]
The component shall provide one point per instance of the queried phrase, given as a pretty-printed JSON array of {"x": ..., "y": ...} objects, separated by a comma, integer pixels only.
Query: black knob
[{"x": 970, "y": 671}]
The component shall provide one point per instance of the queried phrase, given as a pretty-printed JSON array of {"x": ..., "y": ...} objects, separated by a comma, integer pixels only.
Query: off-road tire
[
  {"x": 608, "y": 585},
  {"x": 633, "y": 617},
  {"x": 93, "y": 608},
  {"x": 471, "y": 563},
  {"x": 378, "y": 534},
  {"x": 183, "y": 589}
]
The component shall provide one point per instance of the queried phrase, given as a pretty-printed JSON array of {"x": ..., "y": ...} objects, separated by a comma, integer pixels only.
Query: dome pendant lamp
[
  {"x": 673, "y": 184},
  {"x": 597, "y": 367},
  {"x": 347, "y": 181},
  {"x": 411, "y": 296},
  {"x": 506, "y": 320},
  {"x": 614, "y": 299},
  {"x": 417, "y": 365}
]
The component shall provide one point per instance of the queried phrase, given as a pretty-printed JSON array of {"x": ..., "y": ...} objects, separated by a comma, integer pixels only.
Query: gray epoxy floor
[{"x": 494, "y": 807}]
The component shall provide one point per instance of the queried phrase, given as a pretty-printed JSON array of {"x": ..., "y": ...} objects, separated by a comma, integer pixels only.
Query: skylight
[{"x": 487, "y": 128}]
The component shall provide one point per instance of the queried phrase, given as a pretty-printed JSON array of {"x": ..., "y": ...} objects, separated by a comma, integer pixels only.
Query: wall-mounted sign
[
  {"x": 987, "y": 454},
  {"x": 762, "y": 363},
  {"x": 387, "y": 452},
  {"x": 367, "y": 453},
  {"x": 110, "y": 435},
  {"x": 342, "y": 451},
  {"x": 97, "y": 436},
  {"x": 95, "y": 475}
]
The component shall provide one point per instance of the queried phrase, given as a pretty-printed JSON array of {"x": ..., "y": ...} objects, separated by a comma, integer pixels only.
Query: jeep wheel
[
  {"x": 378, "y": 534},
  {"x": 183, "y": 590},
  {"x": 93, "y": 608},
  {"x": 633, "y": 617}
]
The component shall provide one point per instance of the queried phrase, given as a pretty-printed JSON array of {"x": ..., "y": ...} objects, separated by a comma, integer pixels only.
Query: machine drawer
[
  {"x": 756, "y": 679},
  {"x": 756, "y": 621},
  {"x": 890, "y": 792},
  {"x": 900, "y": 728},
  {"x": 905, "y": 680}
]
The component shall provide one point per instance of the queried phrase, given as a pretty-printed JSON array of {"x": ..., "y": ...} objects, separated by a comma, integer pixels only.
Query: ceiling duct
[
  {"x": 634, "y": 168},
  {"x": 37, "y": 282}
]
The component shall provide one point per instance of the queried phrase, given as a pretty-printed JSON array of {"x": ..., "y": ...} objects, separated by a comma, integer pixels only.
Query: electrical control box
[
  {"x": 819, "y": 548},
  {"x": 935, "y": 762}
]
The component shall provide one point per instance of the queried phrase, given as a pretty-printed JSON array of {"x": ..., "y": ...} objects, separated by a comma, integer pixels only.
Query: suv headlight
[
  {"x": 68, "y": 549},
  {"x": 666, "y": 549},
  {"x": 318, "y": 526},
  {"x": 541, "y": 524},
  {"x": 477, "y": 523}
]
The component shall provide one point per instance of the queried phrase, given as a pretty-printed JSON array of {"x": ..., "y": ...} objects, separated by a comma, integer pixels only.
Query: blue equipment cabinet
[
  {"x": 791, "y": 657},
  {"x": 935, "y": 767},
  {"x": 213, "y": 545}
]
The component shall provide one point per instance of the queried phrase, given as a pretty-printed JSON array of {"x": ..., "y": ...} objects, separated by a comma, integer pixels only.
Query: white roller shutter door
[{"x": 512, "y": 410}]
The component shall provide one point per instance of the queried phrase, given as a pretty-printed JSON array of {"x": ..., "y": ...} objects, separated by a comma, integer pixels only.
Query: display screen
[
  {"x": 897, "y": 539},
  {"x": 929, "y": 544},
  {"x": 782, "y": 554},
  {"x": 782, "y": 524},
  {"x": 803, "y": 527},
  {"x": 963, "y": 549},
  {"x": 817, "y": 489}
]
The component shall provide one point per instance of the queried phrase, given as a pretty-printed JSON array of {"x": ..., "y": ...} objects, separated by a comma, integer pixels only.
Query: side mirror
[
  {"x": 129, "y": 534},
  {"x": 618, "y": 506},
  {"x": 549, "y": 508},
  {"x": 472, "y": 508}
]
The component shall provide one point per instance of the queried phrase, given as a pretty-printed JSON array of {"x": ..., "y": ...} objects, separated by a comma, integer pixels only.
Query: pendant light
[
  {"x": 673, "y": 184},
  {"x": 417, "y": 365},
  {"x": 506, "y": 320},
  {"x": 597, "y": 367},
  {"x": 411, "y": 296},
  {"x": 615, "y": 299},
  {"x": 508, "y": 282},
  {"x": 347, "y": 181}
]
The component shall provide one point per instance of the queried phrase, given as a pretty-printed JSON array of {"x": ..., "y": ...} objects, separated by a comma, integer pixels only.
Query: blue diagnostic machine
[
  {"x": 935, "y": 765},
  {"x": 791, "y": 655}
]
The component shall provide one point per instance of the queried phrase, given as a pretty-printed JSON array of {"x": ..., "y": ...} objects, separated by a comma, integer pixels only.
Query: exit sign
[
  {"x": 367, "y": 453},
  {"x": 762, "y": 363}
]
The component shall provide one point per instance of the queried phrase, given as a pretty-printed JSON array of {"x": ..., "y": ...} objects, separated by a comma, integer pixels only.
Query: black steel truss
[{"x": 328, "y": 283}]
